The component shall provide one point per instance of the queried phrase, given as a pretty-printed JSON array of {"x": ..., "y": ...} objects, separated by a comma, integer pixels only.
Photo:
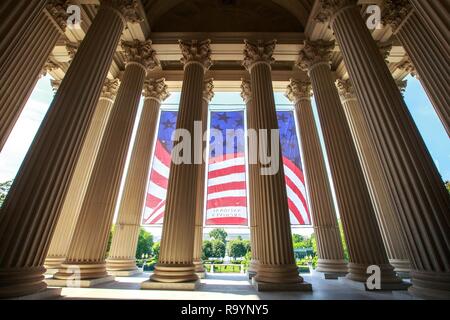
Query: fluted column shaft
[
  {"x": 362, "y": 234},
  {"x": 177, "y": 243},
  {"x": 414, "y": 181},
  {"x": 122, "y": 255},
  {"x": 384, "y": 205},
  {"x": 88, "y": 245},
  {"x": 435, "y": 15},
  {"x": 276, "y": 255},
  {"x": 432, "y": 63},
  {"x": 329, "y": 245},
  {"x": 74, "y": 199},
  {"x": 253, "y": 267},
  {"x": 208, "y": 95},
  {"x": 30, "y": 212},
  {"x": 19, "y": 77},
  {"x": 17, "y": 17}
]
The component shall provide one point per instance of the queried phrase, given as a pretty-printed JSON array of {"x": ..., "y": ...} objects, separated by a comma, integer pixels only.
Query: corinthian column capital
[
  {"x": 261, "y": 52},
  {"x": 196, "y": 52},
  {"x": 402, "y": 84},
  {"x": 315, "y": 52},
  {"x": 208, "y": 90},
  {"x": 128, "y": 9},
  {"x": 156, "y": 89},
  {"x": 72, "y": 48},
  {"x": 141, "y": 53},
  {"x": 58, "y": 11},
  {"x": 298, "y": 90},
  {"x": 48, "y": 66},
  {"x": 330, "y": 7},
  {"x": 110, "y": 88},
  {"x": 407, "y": 66},
  {"x": 55, "y": 85},
  {"x": 385, "y": 50},
  {"x": 246, "y": 90},
  {"x": 345, "y": 89},
  {"x": 395, "y": 13}
]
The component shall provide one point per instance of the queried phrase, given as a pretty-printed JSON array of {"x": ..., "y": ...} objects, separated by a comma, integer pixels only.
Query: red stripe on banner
[
  {"x": 159, "y": 216},
  {"x": 152, "y": 201},
  {"x": 158, "y": 179},
  {"x": 227, "y": 221},
  {"x": 297, "y": 192},
  {"x": 227, "y": 202},
  {"x": 226, "y": 171},
  {"x": 162, "y": 154},
  {"x": 288, "y": 163},
  {"x": 238, "y": 185},
  {"x": 296, "y": 212}
]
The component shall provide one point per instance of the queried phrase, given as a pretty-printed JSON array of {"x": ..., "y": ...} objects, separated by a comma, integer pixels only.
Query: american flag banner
[
  {"x": 226, "y": 202},
  {"x": 159, "y": 174},
  {"x": 293, "y": 171}
]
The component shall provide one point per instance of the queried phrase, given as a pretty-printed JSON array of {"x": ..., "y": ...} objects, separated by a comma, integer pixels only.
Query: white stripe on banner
[
  {"x": 229, "y": 193},
  {"x": 234, "y": 177},
  {"x": 157, "y": 191},
  {"x": 298, "y": 203},
  {"x": 227, "y": 163},
  {"x": 161, "y": 168},
  {"x": 295, "y": 179}
]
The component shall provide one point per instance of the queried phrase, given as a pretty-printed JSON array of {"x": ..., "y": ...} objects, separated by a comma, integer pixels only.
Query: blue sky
[{"x": 420, "y": 107}]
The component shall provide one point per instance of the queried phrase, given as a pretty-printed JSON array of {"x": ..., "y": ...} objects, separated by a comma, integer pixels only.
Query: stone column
[
  {"x": 175, "y": 268},
  {"x": 87, "y": 249},
  {"x": 17, "y": 18},
  {"x": 413, "y": 178},
  {"x": 430, "y": 59},
  {"x": 208, "y": 95},
  {"x": 246, "y": 94},
  {"x": 362, "y": 234},
  {"x": 70, "y": 209},
  {"x": 276, "y": 269},
  {"x": 122, "y": 255},
  {"x": 19, "y": 76},
  {"x": 29, "y": 214},
  {"x": 384, "y": 205},
  {"x": 435, "y": 15},
  {"x": 329, "y": 244}
]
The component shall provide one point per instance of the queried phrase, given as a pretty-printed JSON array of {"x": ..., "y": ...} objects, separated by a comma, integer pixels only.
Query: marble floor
[{"x": 230, "y": 287}]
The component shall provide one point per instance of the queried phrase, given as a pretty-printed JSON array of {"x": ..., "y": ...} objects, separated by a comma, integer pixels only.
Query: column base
[
  {"x": 267, "y": 287},
  {"x": 75, "y": 283},
  {"x": 53, "y": 263},
  {"x": 84, "y": 271},
  {"x": 120, "y": 264},
  {"x": 183, "y": 286},
  {"x": 384, "y": 286},
  {"x": 125, "y": 273},
  {"x": 174, "y": 273},
  {"x": 430, "y": 285},
  {"x": 45, "y": 294},
  {"x": 331, "y": 267},
  {"x": 51, "y": 272},
  {"x": 280, "y": 274},
  {"x": 358, "y": 273},
  {"x": 400, "y": 266},
  {"x": 251, "y": 274},
  {"x": 201, "y": 275},
  {"x": 198, "y": 265},
  {"x": 19, "y": 282}
]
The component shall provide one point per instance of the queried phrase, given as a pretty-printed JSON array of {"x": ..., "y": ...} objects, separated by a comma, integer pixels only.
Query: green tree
[
  {"x": 218, "y": 248},
  {"x": 108, "y": 247},
  {"x": 4, "y": 189},
  {"x": 344, "y": 244},
  {"x": 219, "y": 234},
  {"x": 145, "y": 243},
  {"x": 296, "y": 238},
  {"x": 155, "y": 249},
  {"x": 207, "y": 250},
  {"x": 237, "y": 249}
]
